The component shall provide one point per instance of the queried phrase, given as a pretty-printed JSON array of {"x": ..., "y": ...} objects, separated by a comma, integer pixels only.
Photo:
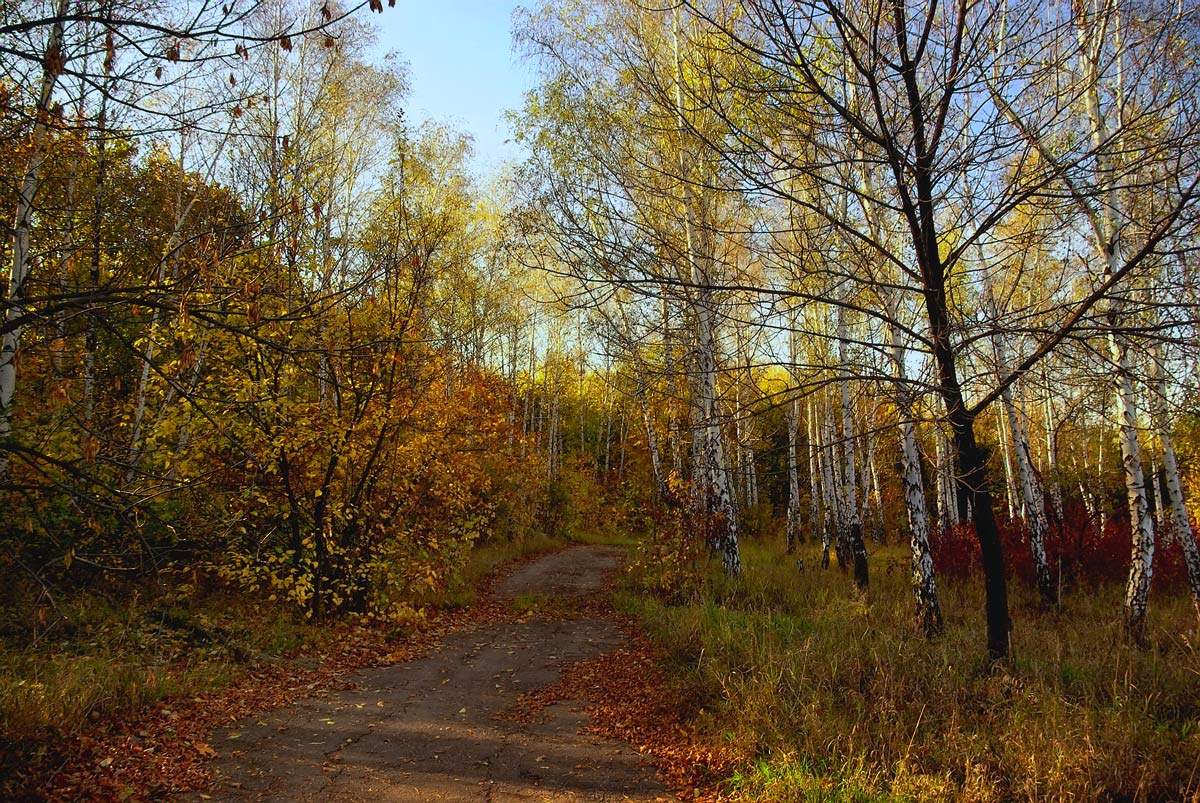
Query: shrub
[{"x": 1079, "y": 552}]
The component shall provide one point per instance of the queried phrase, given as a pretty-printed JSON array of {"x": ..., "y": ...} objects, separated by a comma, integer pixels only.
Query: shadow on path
[{"x": 427, "y": 730}]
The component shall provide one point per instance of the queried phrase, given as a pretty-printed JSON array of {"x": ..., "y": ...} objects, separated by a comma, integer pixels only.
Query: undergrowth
[
  {"x": 101, "y": 654},
  {"x": 104, "y": 652},
  {"x": 828, "y": 694},
  {"x": 78, "y": 653}
]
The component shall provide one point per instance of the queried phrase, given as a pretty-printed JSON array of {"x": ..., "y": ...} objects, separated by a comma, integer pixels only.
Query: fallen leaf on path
[{"x": 204, "y": 749}]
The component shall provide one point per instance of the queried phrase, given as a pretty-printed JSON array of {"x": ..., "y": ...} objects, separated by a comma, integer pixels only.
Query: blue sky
[{"x": 463, "y": 70}]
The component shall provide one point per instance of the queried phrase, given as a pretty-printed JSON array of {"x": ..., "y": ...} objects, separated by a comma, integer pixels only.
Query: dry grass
[
  {"x": 106, "y": 653},
  {"x": 98, "y": 658},
  {"x": 831, "y": 695}
]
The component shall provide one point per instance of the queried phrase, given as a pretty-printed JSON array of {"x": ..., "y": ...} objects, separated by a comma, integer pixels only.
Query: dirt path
[{"x": 427, "y": 730}]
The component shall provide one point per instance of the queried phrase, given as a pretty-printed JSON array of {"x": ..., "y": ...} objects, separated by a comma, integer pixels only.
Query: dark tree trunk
[{"x": 969, "y": 459}]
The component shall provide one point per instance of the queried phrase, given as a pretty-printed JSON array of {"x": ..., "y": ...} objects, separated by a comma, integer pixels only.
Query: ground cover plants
[{"x": 827, "y": 693}]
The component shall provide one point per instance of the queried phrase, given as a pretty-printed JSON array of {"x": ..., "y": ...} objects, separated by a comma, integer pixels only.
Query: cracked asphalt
[{"x": 426, "y": 730}]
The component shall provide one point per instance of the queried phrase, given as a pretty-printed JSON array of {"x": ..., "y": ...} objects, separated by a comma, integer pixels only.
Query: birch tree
[
  {"x": 923, "y": 91},
  {"x": 53, "y": 61},
  {"x": 853, "y": 518},
  {"x": 639, "y": 68},
  {"x": 1033, "y": 500},
  {"x": 1116, "y": 74}
]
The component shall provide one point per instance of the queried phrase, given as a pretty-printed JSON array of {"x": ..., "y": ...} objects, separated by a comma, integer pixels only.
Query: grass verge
[
  {"x": 103, "y": 654},
  {"x": 828, "y": 694}
]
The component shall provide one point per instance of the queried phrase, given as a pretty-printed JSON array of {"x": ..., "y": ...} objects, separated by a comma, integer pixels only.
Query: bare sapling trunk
[
  {"x": 929, "y": 612},
  {"x": 1178, "y": 521},
  {"x": 527, "y": 414},
  {"x": 31, "y": 182},
  {"x": 854, "y": 535},
  {"x": 91, "y": 338},
  {"x": 651, "y": 437},
  {"x": 1051, "y": 477},
  {"x": 1031, "y": 486},
  {"x": 555, "y": 436}
]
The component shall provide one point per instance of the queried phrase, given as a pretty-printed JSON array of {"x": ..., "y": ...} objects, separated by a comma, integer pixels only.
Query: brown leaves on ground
[
  {"x": 630, "y": 699},
  {"x": 164, "y": 748}
]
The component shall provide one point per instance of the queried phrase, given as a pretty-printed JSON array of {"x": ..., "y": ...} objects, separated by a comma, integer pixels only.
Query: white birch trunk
[
  {"x": 740, "y": 488},
  {"x": 1034, "y": 500},
  {"x": 669, "y": 358},
  {"x": 793, "y": 507},
  {"x": 1031, "y": 486},
  {"x": 1106, "y": 225},
  {"x": 1006, "y": 451},
  {"x": 929, "y": 612},
  {"x": 794, "y": 533},
  {"x": 1089, "y": 505},
  {"x": 876, "y": 491},
  {"x": 624, "y": 438},
  {"x": 854, "y": 536},
  {"x": 1137, "y": 590},
  {"x": 1178, "y": 522},
  {"x": 815, "y": 507},
  {"x": 753, "y": 476},
  {"x": 833, "y": 490},
  {"x": 1160, "y": 511},
  {"x": 943, "y": 509},
  {"x": 829, "y": 494},
  {"x": 951, "y": 479},
  {"x": 1052, "y": 475},
  {"x": 31, "y": 183},
  {"x": 717, "y": 494}
]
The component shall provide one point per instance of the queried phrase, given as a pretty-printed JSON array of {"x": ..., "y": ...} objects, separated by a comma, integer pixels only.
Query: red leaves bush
[{"x": 1079, "y": 551}]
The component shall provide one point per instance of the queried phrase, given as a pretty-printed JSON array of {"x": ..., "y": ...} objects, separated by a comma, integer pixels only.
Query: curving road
[{"x": 427, "y": 730}]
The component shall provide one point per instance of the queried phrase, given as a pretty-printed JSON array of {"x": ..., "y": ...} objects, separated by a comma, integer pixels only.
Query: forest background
[{"x": 903, "y": 289}]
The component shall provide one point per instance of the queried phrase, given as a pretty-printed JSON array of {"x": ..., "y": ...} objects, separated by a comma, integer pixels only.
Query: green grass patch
[{"x": 783, "y": 776}]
